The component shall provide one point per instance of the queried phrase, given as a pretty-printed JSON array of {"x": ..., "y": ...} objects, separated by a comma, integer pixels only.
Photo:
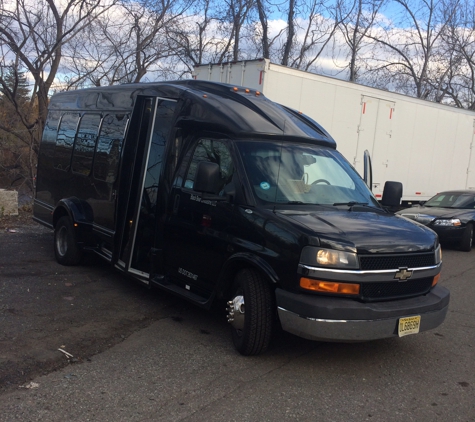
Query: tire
[
  {"x": 66, "y": 249},
  {"x": 253, "y": 325},
  {"x": 467, "y": 238}
]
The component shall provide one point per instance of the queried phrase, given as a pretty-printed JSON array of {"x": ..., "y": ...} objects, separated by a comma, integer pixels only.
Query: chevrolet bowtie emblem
[{"x": 403, "y": 274}]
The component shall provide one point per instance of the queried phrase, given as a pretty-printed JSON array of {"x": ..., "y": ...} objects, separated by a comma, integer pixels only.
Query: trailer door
[
  {"x": 142, "y": 207},
  {"x": 374, "y": 134},
  {"x": 470, "y": 182}
]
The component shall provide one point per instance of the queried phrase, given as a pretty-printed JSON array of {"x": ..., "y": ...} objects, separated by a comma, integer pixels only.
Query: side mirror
[
  {"x": 207, "y": 178},
  {"x": 392, "y": 194}
]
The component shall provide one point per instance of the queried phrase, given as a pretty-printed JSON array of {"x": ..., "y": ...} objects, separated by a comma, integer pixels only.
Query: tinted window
[
  {"x": 452, "y": 200},
  {"x": 163, "y": 122},
  {"x": 85, "y": 144},
  {"x": 294, "y": 173},
  {"x": 65, "y": 141},
  {"x": 51, "y": 126},
  {"x": 109, "y": 147},
  {"x": 215, "y": 152}
]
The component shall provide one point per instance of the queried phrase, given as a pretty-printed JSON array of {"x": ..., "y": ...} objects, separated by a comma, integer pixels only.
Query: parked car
[{"x": 450, "y": 214}]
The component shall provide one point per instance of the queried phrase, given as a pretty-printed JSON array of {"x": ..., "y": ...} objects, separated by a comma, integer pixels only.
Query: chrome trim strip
[
  {"x": 143, "y": 277},
  {"x": 360, "y": 272},
  {"x": 322, "y": 320}
]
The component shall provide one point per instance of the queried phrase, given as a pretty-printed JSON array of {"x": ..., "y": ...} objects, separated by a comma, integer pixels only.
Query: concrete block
[{"x": 8, "y": 202}]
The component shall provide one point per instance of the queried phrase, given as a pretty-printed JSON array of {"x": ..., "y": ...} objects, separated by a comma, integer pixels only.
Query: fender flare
[
  {"x": 241, "y": 260},
  {"x": 77, "y": 210}
]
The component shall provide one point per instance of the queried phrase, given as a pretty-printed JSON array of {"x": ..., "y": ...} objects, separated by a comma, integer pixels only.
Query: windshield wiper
[
  {"x": 350, "y": 204},
  {"x": 304, "y": 203}
]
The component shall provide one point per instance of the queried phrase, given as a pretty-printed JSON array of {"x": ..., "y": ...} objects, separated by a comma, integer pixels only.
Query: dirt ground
[{"x": 45, "y": 307}]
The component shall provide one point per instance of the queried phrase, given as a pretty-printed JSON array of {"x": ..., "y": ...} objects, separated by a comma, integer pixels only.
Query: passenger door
[
  {"x": 143, "y": 209},
  {"x": 199, "y": 231}
]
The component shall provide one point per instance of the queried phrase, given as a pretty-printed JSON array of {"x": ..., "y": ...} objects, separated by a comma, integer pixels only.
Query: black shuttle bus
[{"x": 214, "y": 192}]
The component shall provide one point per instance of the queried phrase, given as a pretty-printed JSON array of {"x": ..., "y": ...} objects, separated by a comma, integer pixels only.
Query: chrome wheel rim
[
  {"x": 62, "y": 241},
  {"x": 236, "y": 312}
]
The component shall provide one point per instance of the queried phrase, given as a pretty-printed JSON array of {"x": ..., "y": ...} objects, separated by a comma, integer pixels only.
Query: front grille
[
  {"x": 395, "y": 289},
  {"x": 394, "y": 262}
]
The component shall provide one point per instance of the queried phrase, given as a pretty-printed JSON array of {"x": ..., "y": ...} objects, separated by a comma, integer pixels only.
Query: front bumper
[
  {"x": 345, "y": 320},
  {"x": 449, "y": 233}
]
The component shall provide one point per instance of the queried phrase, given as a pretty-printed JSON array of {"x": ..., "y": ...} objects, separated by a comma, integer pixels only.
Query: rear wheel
[
  {"x": 251, "y": 313},
  {"x": 66, "y": 249},
  {"x": 467, "y": 238}
]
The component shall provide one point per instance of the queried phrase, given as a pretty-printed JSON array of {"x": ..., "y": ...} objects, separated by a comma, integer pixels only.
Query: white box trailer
[{"x": 425, "y": 145}]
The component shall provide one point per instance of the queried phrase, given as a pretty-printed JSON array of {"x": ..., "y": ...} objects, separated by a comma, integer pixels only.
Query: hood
[
  {"x": 365, "y": 232},
  {"x": 425, "y": 215}
]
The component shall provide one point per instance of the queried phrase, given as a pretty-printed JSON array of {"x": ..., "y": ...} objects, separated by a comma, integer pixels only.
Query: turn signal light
[
  {"x": 436, "y": 280},
  {"x": 329, "y": 286}
]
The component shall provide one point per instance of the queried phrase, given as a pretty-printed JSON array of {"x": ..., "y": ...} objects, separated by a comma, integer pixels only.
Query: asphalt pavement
[{"x": 185, "y": 369}]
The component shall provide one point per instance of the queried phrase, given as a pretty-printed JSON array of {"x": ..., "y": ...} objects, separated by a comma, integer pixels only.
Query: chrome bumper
[{"x": 371, "y": 321}]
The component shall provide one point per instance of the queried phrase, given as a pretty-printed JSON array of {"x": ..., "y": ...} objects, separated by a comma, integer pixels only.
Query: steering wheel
[{"x": 321, "y": 181}]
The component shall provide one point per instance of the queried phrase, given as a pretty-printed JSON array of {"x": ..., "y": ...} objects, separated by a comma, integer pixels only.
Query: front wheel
[
  {"x": 467, "y": 238},
  {"x": 66, "y": 249},
  {"x": 251, "y": 313}
]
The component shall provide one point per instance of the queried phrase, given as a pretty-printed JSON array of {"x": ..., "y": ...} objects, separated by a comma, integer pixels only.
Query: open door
[{"x": 143, "y": 208}]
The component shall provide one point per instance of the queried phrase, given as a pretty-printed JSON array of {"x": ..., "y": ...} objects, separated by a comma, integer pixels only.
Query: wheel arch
[
  {"x": 238, "y": 262},
  {"x": 78, "y": 211}
]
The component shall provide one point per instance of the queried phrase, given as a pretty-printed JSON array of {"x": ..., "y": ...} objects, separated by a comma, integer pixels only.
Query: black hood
[
  {"x": 365, "y": 232},
  {"x": 426, "y": 215}
]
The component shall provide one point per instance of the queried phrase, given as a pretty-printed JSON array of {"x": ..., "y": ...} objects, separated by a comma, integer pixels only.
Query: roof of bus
[{"x": 211, "y": 106}]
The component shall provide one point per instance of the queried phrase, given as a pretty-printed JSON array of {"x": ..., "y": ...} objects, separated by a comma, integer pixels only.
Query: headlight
[
  {"x": 447, "y": 222},
  {"x": 438, "y": 255},
  {"x": 328, "y": 258}
]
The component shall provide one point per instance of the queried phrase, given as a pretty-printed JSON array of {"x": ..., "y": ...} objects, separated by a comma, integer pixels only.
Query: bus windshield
[{"x": 288, "y": 173}]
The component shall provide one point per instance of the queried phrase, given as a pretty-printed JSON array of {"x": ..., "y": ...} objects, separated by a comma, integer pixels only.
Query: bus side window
[
  {"x": 51, "y": 127},
  {"x": 65, "y": 141},
  {"x": 85, "y": 144},
  {"x": 48, "y": 141},
  {"x": 109, "y": 147}
]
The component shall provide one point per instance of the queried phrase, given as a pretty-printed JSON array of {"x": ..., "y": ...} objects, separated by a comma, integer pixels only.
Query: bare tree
[
  {"x": 408, "y": 45},
  {"x": 262, "y": 11},
  {"x": 289, "y": 42},
  {"x": 123, "y": 45},
  {"x": 356, "y": 18},
  {"x": 33, "y": 36},
  {"x": 241, "y": 10},
  {"x": 99, "y": 54},
  {"x": 15, "y": 151},
  {"x": 321, "y": 23},
  {"x": 457, "y": 84},
  {"x": 198, "y": 38}
]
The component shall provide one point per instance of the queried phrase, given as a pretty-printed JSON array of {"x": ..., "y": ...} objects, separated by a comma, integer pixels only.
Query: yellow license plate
[{"x": 409, "y": 325}]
